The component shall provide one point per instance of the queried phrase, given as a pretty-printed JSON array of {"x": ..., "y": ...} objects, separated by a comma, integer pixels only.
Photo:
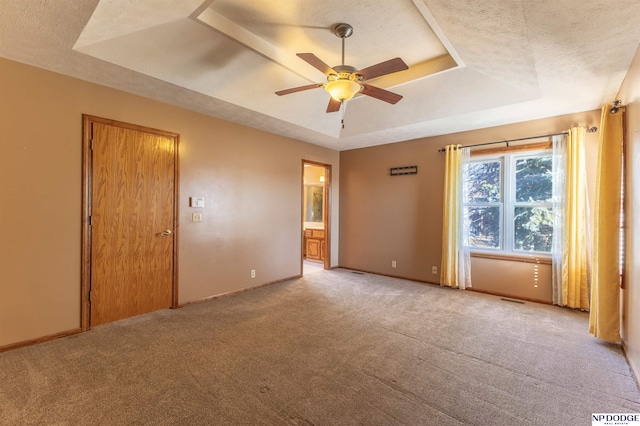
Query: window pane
[
  {"x": 484, "y": 226},
  {"x": 533, "y": 179},
  {"x": 533, "y": 229},
  {"x": 482, "y": 182}
]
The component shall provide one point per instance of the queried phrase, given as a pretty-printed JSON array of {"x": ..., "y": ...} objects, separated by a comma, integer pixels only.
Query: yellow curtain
[
  {"x": 449, "y": 266},
  {"x": 575, "y": 254},
  {"x": 604, "y": 318}
]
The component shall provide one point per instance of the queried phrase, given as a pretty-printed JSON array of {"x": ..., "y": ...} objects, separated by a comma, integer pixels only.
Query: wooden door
[{"x": 132, "y": 221}]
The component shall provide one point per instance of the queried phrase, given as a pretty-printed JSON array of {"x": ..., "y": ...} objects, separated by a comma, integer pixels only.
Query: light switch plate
[{"x": 196, "y": 201}]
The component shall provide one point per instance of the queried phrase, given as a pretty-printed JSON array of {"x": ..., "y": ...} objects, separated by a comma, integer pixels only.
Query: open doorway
[{"x": 316, "y": 201}]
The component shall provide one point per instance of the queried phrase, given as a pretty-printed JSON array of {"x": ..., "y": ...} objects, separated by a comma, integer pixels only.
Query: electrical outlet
[
  {"x": 434, "y": 270},
  {"x": 253, "y": 273},
  {"x": 393, "y": 263},
  {"x": 196, "y": 217}
]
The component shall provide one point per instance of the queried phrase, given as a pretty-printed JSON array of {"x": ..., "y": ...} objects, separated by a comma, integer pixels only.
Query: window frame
[{"x": 508, "y": 203}]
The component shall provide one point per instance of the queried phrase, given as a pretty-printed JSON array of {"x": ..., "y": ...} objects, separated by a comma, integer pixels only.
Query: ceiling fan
[{"x": 345, "y": 81}]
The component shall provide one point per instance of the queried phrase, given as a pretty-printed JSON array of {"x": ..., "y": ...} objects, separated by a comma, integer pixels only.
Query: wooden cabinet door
[{"x": 314, "y": 250}]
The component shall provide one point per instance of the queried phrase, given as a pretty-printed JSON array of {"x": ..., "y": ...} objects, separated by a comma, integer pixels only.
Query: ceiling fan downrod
[{"x": 343, "y": 31}]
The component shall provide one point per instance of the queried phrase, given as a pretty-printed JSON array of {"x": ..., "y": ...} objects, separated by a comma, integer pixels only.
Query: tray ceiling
[{"x": 472, "y": 64}]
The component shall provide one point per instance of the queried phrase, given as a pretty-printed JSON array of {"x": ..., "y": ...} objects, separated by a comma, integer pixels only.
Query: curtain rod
[{"x": 589, "y": 130}]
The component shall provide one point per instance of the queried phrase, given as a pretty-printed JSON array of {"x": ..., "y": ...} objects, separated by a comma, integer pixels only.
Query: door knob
[{"x": 165, "y": 233}]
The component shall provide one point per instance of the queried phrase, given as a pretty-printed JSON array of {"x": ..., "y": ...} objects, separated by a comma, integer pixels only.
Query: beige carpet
[{"x": 333, "y": 348}]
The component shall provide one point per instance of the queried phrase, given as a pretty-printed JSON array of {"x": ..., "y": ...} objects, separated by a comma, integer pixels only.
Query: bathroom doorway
[{"x": 316, "y": 202}]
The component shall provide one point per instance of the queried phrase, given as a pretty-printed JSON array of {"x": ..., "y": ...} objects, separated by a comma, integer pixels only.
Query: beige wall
[
  {"x": 251, "y": 181},
  {"x": 530, "y": 281},
  {"x": 313, "y": 174},
  {"x": 630, "y": 95},
  {"x": 385, "y": 218}
]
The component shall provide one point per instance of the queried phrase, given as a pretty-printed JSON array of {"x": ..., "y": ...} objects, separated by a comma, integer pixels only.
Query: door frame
[
  {"x": 87, "y": 198},
  {"x": 326, "y": 208}
]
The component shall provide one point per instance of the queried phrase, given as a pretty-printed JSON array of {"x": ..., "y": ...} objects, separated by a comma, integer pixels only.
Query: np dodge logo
[{"x": 615, "y": 419}]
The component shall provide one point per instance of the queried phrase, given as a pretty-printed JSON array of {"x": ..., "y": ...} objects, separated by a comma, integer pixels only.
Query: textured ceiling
[{"x": 472, "y": 64}]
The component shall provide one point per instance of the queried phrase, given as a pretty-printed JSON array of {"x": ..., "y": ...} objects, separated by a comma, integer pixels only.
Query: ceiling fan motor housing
[{"x": 344, "y": 72}]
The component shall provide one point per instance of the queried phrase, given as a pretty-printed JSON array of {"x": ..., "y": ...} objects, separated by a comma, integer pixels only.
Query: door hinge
[
  {"x": 90, "y": 220},
  {"x": 89, "y": 296}
]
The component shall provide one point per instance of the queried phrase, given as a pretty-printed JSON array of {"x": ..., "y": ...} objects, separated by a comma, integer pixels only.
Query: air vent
[{"x": 513, "y": 300}]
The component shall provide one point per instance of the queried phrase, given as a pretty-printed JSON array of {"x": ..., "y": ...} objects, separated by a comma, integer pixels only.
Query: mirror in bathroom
[{"x": 314, "y": 199}]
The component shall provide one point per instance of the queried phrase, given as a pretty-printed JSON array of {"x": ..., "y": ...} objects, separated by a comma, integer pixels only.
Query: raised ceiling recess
[{"x": 243, "y": 51}]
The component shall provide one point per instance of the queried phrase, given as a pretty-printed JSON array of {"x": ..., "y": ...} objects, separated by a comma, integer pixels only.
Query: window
[{"x": 507, "y": 202}]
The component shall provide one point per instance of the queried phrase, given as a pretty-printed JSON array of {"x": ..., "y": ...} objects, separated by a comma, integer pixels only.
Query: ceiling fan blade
[
  {"x": 334, "y": 105},
  {"x": 316, "y": 62},
  {"x": 378, "y": 93},
  {"x": 298, "y": 89},
  {"x": 383, "y": 68}
]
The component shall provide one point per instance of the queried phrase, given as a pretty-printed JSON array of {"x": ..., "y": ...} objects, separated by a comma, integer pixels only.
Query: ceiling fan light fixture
[
  {"x": 342, "y": 89},
  {"x": 343, "y": 81}
]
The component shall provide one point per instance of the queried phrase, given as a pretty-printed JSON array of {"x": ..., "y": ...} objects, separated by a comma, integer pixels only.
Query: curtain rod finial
[
  {"x": 616, "y": 106},
  {"x": 592, "y": 129}
]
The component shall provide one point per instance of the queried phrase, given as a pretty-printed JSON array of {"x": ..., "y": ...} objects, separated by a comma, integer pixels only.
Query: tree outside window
[{"x": 507, "y": 202}]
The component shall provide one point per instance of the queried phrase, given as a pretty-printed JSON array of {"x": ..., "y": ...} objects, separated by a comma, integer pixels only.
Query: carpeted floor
[{"x": 332, "y": 348}]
